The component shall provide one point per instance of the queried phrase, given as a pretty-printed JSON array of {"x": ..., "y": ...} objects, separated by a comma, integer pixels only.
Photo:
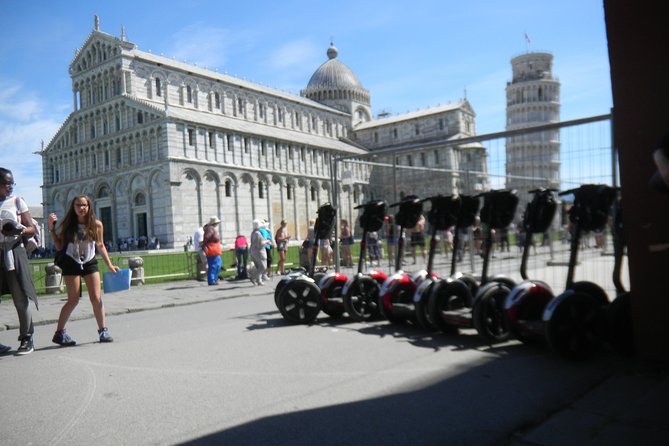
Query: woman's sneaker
[
  {"x": 63, "y": 339},
  {"x": 104, "y": 335},
  {"x": 26, "y": 347}
]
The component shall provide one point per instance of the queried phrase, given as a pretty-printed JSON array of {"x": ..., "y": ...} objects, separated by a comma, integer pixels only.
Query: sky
[{"x": 409, "y": 55}]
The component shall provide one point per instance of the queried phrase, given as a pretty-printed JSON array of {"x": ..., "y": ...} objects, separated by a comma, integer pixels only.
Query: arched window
[
  {"x": 289, "y": 192},
  {"x": 217, "y": 100},
  {"x": 228, "y": 188},
  {"x": 313, "y": 193},
  {"x": 189, "y": 94},
  {"x": 140, "y": 200},
  {"x": 140, "y": 118},
  {"x": 261, "y": 189},
  {"x": 103, "y": 192},
  {"x": 159, "y": 91}
]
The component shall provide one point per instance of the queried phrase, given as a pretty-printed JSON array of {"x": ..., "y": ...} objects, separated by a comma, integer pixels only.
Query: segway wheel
[
  {"x": 333, "y": 309},
  {"x": 447, "y": 296},
  {"x": 300, "y": 301},
  {"x": 574, "y": 330},
  {"x": 488, "y": 314},
  {"x": 362, "y": 299},
  {"x": 620, "y": 326},
  {"x": 421, "y": 305},
  {"x": 389, "y": 308}
]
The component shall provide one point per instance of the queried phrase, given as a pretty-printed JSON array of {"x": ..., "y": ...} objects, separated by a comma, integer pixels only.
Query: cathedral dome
[
  {"x": 334, "y": 82},
  {"x": 333, "y": 74}
]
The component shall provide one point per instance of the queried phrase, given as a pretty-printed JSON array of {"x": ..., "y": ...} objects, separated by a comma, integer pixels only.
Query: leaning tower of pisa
[{"x": 532, "y": 98}]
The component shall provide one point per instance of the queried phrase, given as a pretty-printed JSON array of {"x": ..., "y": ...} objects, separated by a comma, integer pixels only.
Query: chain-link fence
[{"x": 560, "y": 156}]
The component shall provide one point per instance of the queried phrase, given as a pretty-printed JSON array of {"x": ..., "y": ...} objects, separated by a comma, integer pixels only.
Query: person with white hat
[
  {"x": 212, "y": 249},
  {"x": 258, "y": 253}
]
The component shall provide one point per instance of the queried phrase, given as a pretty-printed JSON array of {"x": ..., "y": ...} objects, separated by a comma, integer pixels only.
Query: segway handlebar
[{"x": 542, "y": 189}]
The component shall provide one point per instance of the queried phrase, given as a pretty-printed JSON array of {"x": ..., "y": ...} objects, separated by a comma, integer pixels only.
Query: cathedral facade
[{"x": 160, "y": 146}]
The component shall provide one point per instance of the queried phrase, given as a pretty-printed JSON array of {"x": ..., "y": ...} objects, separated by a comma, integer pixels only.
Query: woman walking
[
  {"x": 78, "y": 235},
  {"x": 15, "y": 275}
]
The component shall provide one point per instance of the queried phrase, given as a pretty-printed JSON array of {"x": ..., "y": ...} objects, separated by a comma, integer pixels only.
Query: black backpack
[
  {"x": 444, "y": 211},
  {"x": 499, "y": 208},
  {"x": 325, "y": 221},
  {"x": 592, "y": 206},
  {"x": 372, "y": 216},
  {"x": 469, "y": 207},
  {"x": 410, "y": 210},
  {"x": 540, "y": 211}
]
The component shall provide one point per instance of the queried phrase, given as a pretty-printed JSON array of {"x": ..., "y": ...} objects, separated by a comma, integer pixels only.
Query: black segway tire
[
  {"x": 422, "y": 305},
  {"x": 300, "y": 301},
  {"x": 361, "y": 300},
  {"x": 488, "y": 313},
  {"x": 393, "y": 314},
  {"x": 575, "y": 328},
  {"x": 620, "y": 326},
  {"x": 447, "y": 296},
  {"x": 333, "y": 309}
]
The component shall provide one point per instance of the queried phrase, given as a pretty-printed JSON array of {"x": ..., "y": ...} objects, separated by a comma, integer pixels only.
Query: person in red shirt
[{"x": 242, "y": 255}]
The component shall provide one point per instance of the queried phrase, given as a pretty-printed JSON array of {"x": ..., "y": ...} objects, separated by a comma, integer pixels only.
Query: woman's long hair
[{"x": 69, "y": 227}]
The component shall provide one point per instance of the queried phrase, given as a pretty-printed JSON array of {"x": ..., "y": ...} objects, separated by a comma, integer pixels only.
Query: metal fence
[{"x": 560, "y": 155}]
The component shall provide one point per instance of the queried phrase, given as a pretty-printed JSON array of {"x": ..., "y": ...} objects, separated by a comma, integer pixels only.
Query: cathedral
[{"x": 160, "y": 146}]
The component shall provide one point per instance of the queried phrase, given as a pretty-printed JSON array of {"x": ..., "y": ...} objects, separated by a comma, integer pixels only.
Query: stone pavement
[{"x": 629, "y": 407}]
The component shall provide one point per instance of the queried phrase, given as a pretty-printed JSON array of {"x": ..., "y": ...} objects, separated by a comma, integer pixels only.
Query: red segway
[
  {"x": 451, "y": 305},
  {"x": 361, "y": 292},
  {"x": 397, "y": 292},
  {"x": 573, "y": 322},
  {"x": 297, "y": 296},
  {"x": 526, "y": 303},
  {"x": 442, "y": 215}
]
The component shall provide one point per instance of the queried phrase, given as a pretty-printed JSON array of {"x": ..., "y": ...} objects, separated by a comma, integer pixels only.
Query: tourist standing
[
  {"x": 258, "y": 254},
  {"x": 211, "y": 243},
  {"x": 78, "y": 235},
  {"x": 282, "y": 238},
  {"x": 241, "y": 255},
  {"x": 345, "y": 241}
]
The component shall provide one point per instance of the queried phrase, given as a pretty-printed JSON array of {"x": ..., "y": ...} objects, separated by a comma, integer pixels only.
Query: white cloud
[
  {"x": 208, "y": 46},
  {"x": 296, "y": 54},
  {"x": 23, "y": 126},
  {"x": 16, "y": 104}
]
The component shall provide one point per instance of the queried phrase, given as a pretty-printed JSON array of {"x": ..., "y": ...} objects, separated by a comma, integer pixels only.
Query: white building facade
[{"x": 160, "y": 145}]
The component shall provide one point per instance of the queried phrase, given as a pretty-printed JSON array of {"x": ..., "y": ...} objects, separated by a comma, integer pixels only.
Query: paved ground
[{"x": 373, "y": 384}]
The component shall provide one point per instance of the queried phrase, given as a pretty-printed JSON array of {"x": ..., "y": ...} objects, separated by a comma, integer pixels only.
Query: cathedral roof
[
  {"x": 334, "y": 75},
  {"x": 462, "y": 104}
]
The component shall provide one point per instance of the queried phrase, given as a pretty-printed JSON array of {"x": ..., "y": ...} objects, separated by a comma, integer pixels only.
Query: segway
[
  {"x": 361, "y": 292},
  {"x": 396, "y": 295},
  {"x": 297, "y": 295},
  {"x": 525, "y": 304},
  {"x": 451, "y": 305},
  {"x": 573, "y": 323},
  {"x": 442, "y": 215}
]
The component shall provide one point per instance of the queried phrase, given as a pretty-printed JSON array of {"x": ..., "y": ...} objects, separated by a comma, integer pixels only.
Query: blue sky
[{"x": 410, "y": 55}]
